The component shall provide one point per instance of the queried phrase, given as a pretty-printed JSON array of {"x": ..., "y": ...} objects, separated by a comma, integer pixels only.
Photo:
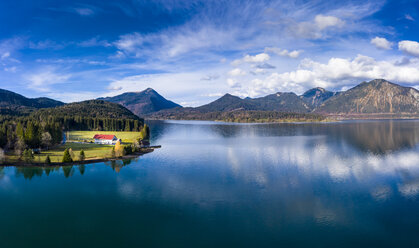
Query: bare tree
[
  {"x": 2, "y": 156},
  {"x": 46, "y": 139},
  {"x": 20, "y": 146}
]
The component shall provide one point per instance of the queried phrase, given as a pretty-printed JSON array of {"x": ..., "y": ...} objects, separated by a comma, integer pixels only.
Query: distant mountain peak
[
  {"x": 149, "y": 90},
  {"x": 316, "y": 96},
  {"x": 375, "y": 96},
  {"x": 142, "y": 102}
]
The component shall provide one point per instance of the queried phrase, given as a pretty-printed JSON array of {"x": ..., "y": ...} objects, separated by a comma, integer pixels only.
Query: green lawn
[
  {"x": 56, "y": 154},
  {"x": 91, "y": 150},
  {"x": 126, "y": 137}
]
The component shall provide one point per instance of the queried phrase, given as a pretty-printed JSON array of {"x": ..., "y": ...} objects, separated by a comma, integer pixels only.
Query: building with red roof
[{"x": 105, "y": 139}]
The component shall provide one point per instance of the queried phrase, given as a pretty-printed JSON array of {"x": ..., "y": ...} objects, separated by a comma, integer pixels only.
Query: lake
[{"x": 347, "y": 184}]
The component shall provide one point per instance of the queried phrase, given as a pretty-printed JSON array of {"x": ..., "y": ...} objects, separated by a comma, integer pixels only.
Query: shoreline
[
  {"x": 87, "y": 161},
  {"x": 329, "y": 118}
]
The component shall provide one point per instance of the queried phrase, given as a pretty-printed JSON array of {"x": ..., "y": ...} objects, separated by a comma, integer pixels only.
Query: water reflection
[
  {"x": 349, "y": 184},
  {"x": 68, "y": 171},
  {"x": 378, "y": 137},
  {"x": 337, "y": 152}
]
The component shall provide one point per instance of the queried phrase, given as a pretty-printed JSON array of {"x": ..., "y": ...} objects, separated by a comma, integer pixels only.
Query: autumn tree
[
  {"x": 119, "y": 149},
  {"x": 113, "y": 153},
  {"x": 71, "y": 154},
  {"x": 19, "y": 146}
]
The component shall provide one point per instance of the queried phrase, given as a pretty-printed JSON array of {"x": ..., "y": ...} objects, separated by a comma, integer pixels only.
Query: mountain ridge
[
  {"x": 368, "y": 97},
  {"x": 14, "y": 103},
  {"x": 377, "y": 96},
  {"x": 142, "y": 102}
]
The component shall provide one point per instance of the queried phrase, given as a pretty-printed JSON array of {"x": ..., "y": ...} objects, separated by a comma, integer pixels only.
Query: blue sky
[{"x": 193, "y": 52}]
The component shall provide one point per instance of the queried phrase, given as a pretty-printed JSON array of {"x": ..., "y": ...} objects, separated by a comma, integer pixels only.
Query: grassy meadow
[
  {"x": 91, "y": 150},
  {"x": 80, "y": 136}
]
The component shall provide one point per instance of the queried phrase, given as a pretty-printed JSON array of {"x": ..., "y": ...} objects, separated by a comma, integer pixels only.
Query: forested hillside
[{"x": 44, "y": 127}]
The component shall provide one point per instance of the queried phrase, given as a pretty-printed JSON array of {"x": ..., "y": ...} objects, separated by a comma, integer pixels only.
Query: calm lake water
[{"x": 350, "y": 184}]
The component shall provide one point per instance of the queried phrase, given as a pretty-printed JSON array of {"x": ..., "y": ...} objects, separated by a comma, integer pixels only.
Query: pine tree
[
  {"x": 19, "y": 131},
  {"x": 127, "y": 126},
  {"x": 48, "y": 160},
  {"x": 81, "y": 155},
  {"x": 3, "y": 136},
  {"x": 67, "y": 157},
  {"x": 145, "y": 133}
]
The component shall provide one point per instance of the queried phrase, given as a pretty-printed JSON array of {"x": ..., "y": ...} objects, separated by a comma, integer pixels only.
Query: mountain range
[
  {"x": 377, "y": 97},
  {"x": 13, "y": 103}
]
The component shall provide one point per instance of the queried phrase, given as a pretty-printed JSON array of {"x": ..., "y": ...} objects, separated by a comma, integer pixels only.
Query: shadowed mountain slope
[
  {"x": 13, "y": 103},
  {"x": 142, "y": 103},
  {"x": 376, "y": 96}
]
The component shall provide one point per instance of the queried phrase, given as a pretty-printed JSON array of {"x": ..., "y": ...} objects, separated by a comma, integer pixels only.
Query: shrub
[
  {"x": 119, "y": 149},
  {"x": 67, "y": 157},
  {"x": 28, "y": 156}
]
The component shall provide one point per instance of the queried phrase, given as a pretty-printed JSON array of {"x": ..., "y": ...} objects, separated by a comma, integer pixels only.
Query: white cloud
[
  {"x": 84, "y": 11},
  {"x": 41, "y": 81},
  {"x": 129, "y": 42},
  {"x": 73, "y": 96},
  {"x": 283, "y": 52},
  {"x": 10, "y": 69},
  {"x": 218, "y": 94},
  {"x": 210, "y": 77},
  {"x": 176, "y": 42},
  {"x": 237, "y": 72},
  {"x": 178, "y": 87},
  {"x": 233, "y": 83},
  {"x": 336, "y": 73},
  {"x": 258, "y": 58},
  {"x": 5, "y": 55},
  {"x": 46, "y": 44},
  {"x": 95, "y": 41},
  {"x": 316, "y": 28},
  {"x": 8, "y": 48},
  {"x": 381, "y": 43},
  {"x": 262, "y": 57},
  {"x": 323, "y": 22},
  {"x": 409, "y": 47},
  {"x": 409, "y": 17}
]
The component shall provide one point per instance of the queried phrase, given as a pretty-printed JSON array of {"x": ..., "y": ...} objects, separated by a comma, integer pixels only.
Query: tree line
[{"x": 30, "y": 132}]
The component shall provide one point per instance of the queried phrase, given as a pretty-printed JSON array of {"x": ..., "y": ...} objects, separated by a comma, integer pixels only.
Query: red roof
[{"x": 104, "y": 136}]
